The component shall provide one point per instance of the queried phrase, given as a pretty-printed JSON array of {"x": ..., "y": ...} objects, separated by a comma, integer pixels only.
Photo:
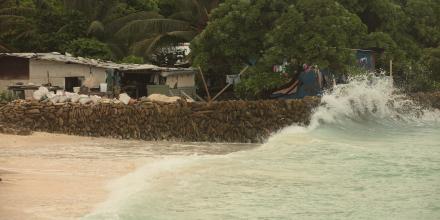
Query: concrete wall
[
  {"x": 58, "y": 71},
  {"x": 184, "y": 80}
]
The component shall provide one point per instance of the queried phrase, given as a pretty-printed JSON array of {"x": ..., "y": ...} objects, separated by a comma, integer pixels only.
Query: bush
[
  {"x": 133, "y": 59},
  {"x": 6, "y": 96},
  {"x": 418, "y": 78},
  {"x": 90, "y": 48},
  {"x": 258, "y": 85}
]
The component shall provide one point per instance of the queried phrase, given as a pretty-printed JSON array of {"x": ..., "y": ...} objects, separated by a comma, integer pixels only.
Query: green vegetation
[
  {"x": 227, "y": 35},
  {"x": 106, "y": 29},
  {"x": 268, "y": 32},
  {"x": 6, "y": 96}
]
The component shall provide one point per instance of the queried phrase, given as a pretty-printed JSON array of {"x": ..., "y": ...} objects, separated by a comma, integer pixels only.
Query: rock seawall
[
  {"x": 427, "y": 99},
  {"x": 229, "y": 121}
]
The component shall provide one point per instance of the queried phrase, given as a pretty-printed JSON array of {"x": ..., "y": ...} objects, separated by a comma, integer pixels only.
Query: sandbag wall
[
  {"x": 427, "y": 99},
  {"x": 229, "y": 121}
]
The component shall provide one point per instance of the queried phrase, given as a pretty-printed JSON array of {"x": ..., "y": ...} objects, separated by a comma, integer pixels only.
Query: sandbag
[
  {"x": 85, "y": 100},
  {"x": 162, "y": 98},
  {"x": 55, "y": 99},
  {"x": 95, "y": 99},
  {"x": 124, "y": 98},
  {"x": 74, "y": 98},
  {"x": 63, "y": 99},
  {"x": 40, "y": 93}
]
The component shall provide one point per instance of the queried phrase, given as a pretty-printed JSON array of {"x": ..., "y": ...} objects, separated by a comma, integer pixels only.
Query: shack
[
  {"x": 367, "y": 58},
  {"x": 67, "y": 72}
]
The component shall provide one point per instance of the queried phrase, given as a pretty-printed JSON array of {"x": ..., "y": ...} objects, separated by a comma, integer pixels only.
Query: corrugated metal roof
[{"x": 67, "y": 58}]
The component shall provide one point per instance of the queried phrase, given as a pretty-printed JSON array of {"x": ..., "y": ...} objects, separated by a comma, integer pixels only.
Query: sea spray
[{"x": 369, "y": 98}]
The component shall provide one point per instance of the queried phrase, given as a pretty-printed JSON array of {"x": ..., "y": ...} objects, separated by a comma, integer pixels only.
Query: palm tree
[
  {"x": 13, "y": 21},
  {"x": 103, "y": 23},
  {"x": 146, "y": 35},
  {"x": 141, "y": 33}
]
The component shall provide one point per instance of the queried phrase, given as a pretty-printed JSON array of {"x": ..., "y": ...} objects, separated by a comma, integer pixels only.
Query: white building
[{"x": 67, "y": 72}]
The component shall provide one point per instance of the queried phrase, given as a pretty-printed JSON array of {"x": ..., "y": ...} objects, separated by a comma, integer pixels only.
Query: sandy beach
[
  {"x": 54, "y": 176},
  {"x": 46, "y": 176}
]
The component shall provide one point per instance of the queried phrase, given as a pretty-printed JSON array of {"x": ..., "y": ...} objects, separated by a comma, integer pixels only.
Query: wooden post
[
  {"x": 204, "y": 83},
  {"x": 221, "y": 92},
  {"x": 200, "y": 98},
  {"x": 227, "y": 86},
  {"x": 187, "y": 96}
]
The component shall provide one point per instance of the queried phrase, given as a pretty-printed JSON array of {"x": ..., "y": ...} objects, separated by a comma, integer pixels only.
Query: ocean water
[{"x": 369, "y": 153}]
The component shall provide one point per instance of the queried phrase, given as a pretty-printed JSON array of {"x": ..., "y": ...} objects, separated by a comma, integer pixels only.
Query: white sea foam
[
  {"x": 369, "y": 98},
  {"x": 362, "y": 145},
  {"x": 125, "y": 188}
]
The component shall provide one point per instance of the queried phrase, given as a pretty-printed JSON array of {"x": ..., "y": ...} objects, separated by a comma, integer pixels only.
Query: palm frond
[
  {"x": 186, "y": 36},
  {"x": 4, "y": 48},
  {"x": 145, "y": 47},
  {"x": 10, "y": 17},
  {"x": 27, "y": 34},
  {"x": 115, "y": 25},
  {"x": 118, "y": 50},
  {"x": 11, "y": 22},
  {"x": 96, "y": 28},
  {"x": 183, "y": 15},
  {"x": 19, "y": 11},
  {"x": 139, "y": 28},
  {"x": 63, "y": 28}
]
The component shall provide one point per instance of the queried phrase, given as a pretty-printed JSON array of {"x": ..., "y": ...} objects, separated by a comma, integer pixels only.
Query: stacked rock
[{"x": 228, "y": 121}]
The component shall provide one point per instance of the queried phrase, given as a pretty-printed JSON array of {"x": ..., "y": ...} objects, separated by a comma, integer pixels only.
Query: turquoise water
[{"x": 368, "y": 154}]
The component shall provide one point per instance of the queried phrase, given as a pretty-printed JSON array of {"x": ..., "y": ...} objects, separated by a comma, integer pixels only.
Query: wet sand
[
  {"x": 51, "y": 176},
  {"x": 46, "y": 176}
]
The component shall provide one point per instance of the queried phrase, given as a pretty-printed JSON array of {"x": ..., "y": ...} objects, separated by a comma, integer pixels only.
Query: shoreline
[
  {"x": 42, "y": 185},
  {"x": 56, "y": 176}
]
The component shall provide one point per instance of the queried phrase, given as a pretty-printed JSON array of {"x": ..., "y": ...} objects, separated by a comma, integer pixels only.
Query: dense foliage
[
  {"x": 227, "y": 35},
  {"x": 322, "y": 32},
  {"x": 106, "y": 29}
]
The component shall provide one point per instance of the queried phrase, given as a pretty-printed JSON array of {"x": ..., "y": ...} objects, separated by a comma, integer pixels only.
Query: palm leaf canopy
[
  {"x": 11, "y": 22},
  {"x": 19, "y": 11},
  {"x": 115, "y": 25},
  {"x": 138, "y": 29},
  {"x": 4, "y": 48},
  {"x": 147, "y": 46}
]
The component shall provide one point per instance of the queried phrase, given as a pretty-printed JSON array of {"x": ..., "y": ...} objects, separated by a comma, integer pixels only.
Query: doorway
[{"x": 71, "y": 82}]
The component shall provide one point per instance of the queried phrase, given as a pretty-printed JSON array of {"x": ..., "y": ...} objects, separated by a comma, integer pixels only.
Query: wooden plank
[
  {"x": 204, "y": 83},
  {"x": 227, "y": 86}
]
